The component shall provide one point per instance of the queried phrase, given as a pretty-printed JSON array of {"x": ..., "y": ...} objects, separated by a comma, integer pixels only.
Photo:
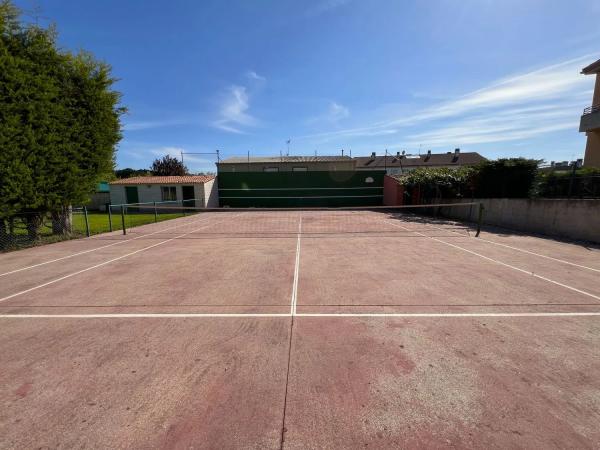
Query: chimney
[
  {"x": 373, "y": 155},
  {"x": 397, "y": 154},
  {"x": 428, "y": 152},
  {"x": 456, "y": 151},
  {"x": 403, "y": 152}
]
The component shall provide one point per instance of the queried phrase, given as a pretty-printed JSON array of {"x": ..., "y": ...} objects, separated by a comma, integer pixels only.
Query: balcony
[{"x": 590, "y": 120}]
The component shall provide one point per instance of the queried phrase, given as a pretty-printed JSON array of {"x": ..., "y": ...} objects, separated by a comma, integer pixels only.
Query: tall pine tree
[{"x": 59, "y": 122}]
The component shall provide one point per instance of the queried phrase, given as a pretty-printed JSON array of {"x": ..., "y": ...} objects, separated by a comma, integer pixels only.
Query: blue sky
[{"x": 498, "y": 77}]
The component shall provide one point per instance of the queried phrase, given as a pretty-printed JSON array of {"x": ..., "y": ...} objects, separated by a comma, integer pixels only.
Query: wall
[
  {"x": 572, "y": 219},
  {"x": 211, "y": 194},
  {"x": 301, "y": 189},
  {"x": 392, "y": 191},
  {"x": 148, "y": 193},
  {"x": 98, "y": 201}
]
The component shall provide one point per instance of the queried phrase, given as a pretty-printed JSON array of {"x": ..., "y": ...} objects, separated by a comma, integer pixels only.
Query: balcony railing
[{"x": 591, "y": 109}]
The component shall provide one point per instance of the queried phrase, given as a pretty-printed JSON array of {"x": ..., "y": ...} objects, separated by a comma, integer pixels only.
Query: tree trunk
[
  {"x": 34, "y": 222},
  {"x": 62, "y": 221}
]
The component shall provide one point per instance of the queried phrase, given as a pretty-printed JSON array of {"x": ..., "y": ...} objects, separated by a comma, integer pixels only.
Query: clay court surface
[{"x": 301, "y": 329}]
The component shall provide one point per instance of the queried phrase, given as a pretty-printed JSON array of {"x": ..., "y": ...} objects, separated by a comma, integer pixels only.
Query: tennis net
[{"x": 408, "y": 220}]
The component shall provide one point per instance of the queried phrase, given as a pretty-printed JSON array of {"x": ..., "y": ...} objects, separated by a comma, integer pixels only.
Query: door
[
  {"x": 131, "y": 194},
  {"x": 187, "y": 193}
]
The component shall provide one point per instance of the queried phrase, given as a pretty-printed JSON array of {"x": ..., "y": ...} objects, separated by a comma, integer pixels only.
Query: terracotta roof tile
[{"x": 187, "y": 179}]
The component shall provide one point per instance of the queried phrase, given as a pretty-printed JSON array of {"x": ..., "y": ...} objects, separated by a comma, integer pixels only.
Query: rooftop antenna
[
  {"x": 350, "y": 153},
  {"x": 315, "y": 152},
  {"x": 288, "y": 146},
  {"x": 420, "y": 149},
  {"x": 342, "y": 152}
]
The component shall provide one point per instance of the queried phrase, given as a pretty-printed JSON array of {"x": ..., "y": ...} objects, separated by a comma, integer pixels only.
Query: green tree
[
  {"x": 59, "y": 122},
  {"x": 128, "y": 172},
  {"x": 168, "y": 165}
]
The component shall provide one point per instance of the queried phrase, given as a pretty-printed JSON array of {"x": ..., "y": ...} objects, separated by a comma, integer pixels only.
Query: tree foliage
[
  {"x": 501, "y": 178},
  {"x": 59, "y": 120},
  {"x": 128, "y": 172},
  {"x": 168, "y": 165}
]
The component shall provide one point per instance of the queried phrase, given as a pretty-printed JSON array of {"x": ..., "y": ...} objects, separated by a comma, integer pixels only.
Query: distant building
[
  {"x": 590, "y": 120},
  {"x": 100, "y": 198},
  {"x": 402, "y": 163},
  {"x": 287, "y": 164},
  {"x": 190, "y": 190}
]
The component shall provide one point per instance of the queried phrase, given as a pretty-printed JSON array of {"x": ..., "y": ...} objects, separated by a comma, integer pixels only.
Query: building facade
[
  {"x": 590, "y": 120},
  {"x": 287, "y": 164},
  {"x": 401, "y": 163},
  {"x": 190, "y": 190}
]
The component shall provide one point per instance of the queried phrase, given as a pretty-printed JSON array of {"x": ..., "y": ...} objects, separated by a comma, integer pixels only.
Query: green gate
[{"x": 300, "y": 189}]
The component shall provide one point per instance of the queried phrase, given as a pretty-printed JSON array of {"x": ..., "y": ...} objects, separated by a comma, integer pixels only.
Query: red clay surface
[{"x": 270, "y": 379}]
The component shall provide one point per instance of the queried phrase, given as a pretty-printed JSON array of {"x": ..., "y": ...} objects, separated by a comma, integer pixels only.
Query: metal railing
[{"x": 591, "y": 109}]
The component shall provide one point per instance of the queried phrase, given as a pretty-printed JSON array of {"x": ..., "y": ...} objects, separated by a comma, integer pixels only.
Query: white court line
[
  {"x": 285, "y": 315},
  {"x": 56, "y": 280},
  {"x": 97, "y": 248},
  {"x": 521, "y": 250},
  {"x": 296, "y": 269},
  {"x": 503, "y": 263}
]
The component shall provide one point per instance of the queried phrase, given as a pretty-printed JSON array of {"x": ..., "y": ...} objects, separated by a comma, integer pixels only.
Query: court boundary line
[
  {"x": 121, "y": 241},
  {"x": 296, "y": 269},
  {"x": 288, "y": 315},
  {"x": 518, "y": 249},
  {"x": 56, "y": 280},
  {"x": 527, "y": 272}
]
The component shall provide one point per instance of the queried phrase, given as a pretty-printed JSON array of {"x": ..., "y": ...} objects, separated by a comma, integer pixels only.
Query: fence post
[
  {"x": 123, "y": 218},
  {"x": 479, "y": 219},
  {"x": 155, "y": 213},
  {"x": 87, "y": 222},
  {"x": 571, "y": 180},
  {"x": 109, "y": 209}
]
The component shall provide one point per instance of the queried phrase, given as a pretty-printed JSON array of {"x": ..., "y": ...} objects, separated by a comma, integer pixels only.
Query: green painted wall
[{"x": 300, "y": 189}]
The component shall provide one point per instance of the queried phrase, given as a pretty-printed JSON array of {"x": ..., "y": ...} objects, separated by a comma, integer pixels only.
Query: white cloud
[
  {"x": 252, "y": 75},
  {"x": 233, "y": 111},
  {"x": 171, "y": 151},
  {"x": 511, "y": 108},
  {"x": 334, "y": 113},
  {"x": 148, "y": 124}
]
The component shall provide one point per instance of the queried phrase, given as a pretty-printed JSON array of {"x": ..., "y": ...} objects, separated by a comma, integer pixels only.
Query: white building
[{"x": 190, "y": 190}]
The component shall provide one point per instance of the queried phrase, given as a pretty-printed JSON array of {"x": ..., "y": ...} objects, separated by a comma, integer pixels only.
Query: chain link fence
[{"x": 27, "y": 229}]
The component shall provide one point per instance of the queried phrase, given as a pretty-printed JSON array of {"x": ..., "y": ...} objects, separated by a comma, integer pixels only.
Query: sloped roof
[
  {"x": 186, "y": 179},
  {"x": 592, "y": 68},
  {"x": 283, "y": 159},
  {"x": 433, "y": 160}
]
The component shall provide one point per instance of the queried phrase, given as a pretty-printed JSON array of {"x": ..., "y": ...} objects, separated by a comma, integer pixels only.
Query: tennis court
[{"x": 322, "y": 328}]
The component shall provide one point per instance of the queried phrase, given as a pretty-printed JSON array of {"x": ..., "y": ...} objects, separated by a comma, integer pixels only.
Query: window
[
  {"x": 299, "y": 169},
  {"x": 271, "y": 169},
  {"x": 169, "y": 193}
]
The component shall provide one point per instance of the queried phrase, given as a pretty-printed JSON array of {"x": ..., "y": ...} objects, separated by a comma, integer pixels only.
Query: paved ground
[{"x": 301, "y": 330}]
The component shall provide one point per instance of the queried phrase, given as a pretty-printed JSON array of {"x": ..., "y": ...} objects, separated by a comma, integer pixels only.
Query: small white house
[{"x": 193, "y": 190}]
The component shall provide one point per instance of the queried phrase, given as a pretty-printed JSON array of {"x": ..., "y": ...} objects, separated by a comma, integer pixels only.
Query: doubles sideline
[
  {"x": 522, "y": 250},
  {"x": 502, "y": 263},
  {"x": 123, "y": 241},
  {"x": 56, "y": 280}
]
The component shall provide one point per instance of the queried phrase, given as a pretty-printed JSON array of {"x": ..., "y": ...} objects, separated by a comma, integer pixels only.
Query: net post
[
  {"x": 123, "y": 218},
  {"x": 87, "y": 222},
  {"x": 109, "y": 209},
  {"x": 155, "y": 213},
  {"x": 479, "y": 219}
]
